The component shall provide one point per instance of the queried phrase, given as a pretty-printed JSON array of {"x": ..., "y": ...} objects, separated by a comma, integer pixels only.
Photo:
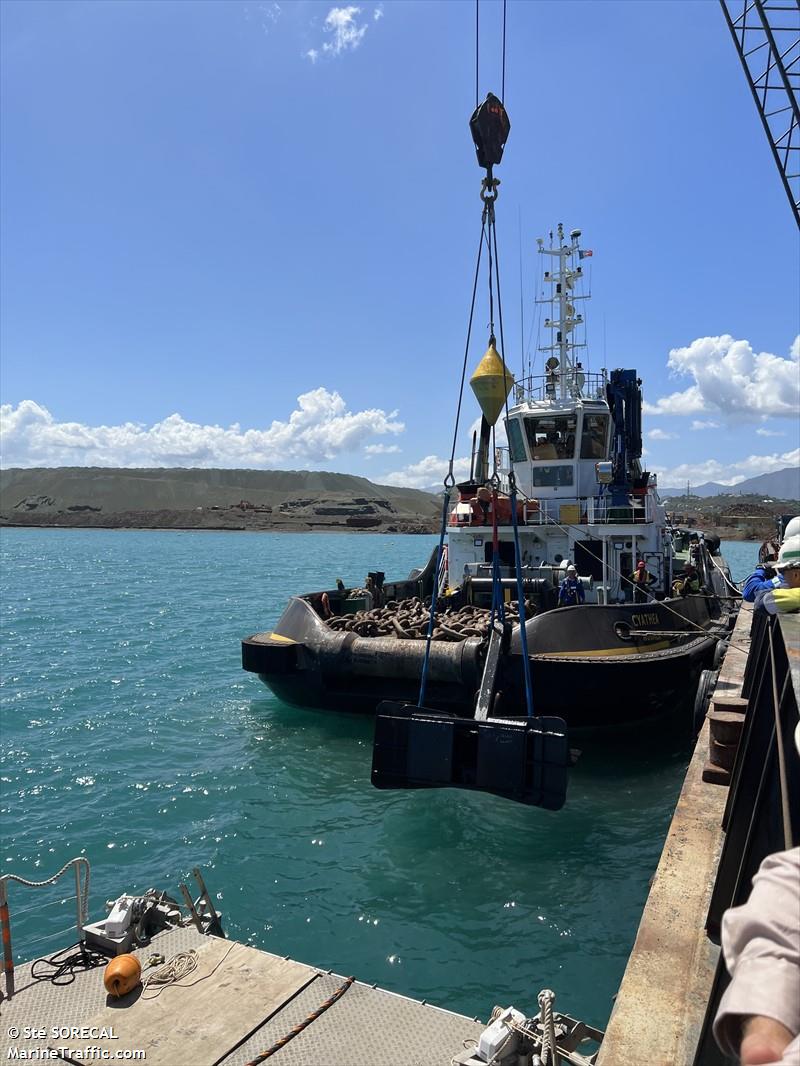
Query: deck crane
[{"x": 767, "y": 38}]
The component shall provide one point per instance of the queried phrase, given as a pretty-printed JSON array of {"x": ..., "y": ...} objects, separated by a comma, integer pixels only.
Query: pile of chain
[{"x": 409, "y": 619}]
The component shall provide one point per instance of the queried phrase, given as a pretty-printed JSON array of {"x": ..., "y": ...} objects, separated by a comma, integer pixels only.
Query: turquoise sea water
[{"x": 130, "y": 734}]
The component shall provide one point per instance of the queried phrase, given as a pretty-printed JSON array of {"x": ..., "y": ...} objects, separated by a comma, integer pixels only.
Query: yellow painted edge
[
  {"x": 280, "y": 638},
  {"x": 594, "y": 653}
]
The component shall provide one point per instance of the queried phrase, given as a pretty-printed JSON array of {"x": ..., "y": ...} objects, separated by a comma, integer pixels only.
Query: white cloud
[
  {"x": 319, "y": 429},
  {"x": 704, "y": 424},
  {"x": 266, "y": 14},
  {"x": 380, "y": 449},
  {"x": 378, "y": 13},
  {"x": 428, "y": 474},
  {"x": 345, "y": 34},
  {"x": 660, "y": 434},
  {"x": 725, "y": 473},
  {"x": 500, "y": 435},
  {"x": 729, "y": 377},
  {"x": 761, "y": 432}
]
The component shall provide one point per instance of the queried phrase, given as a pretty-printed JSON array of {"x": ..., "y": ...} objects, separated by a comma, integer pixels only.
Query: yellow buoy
[
  {"x": 491, "y": 383},
  {"x": 122, "y": 975}
]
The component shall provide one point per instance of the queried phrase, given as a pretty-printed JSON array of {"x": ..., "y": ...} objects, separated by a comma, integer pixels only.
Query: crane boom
[{"x": 767, "y": 38}]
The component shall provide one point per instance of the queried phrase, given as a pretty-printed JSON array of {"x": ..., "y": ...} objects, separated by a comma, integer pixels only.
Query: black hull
[{"x": 593, "y": 666}]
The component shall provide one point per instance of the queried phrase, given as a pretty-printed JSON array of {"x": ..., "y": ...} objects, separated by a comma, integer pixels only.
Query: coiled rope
[
  {"x": 62, "y": 968},
  {"x": 173, "y": 971},
  {"x": 176, "y": 969}
]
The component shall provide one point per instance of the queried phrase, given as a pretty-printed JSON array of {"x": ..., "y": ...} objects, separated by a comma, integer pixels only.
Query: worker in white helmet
[{"x": 785, "y": 597}]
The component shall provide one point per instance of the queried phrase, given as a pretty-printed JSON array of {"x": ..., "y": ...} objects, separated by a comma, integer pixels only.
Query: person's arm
[
  {"x": 761, "y": 943},
  {"x": 757, "y": 582}
]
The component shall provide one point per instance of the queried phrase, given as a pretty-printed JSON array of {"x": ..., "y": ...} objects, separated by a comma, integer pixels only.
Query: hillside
[
  {"x": 780, "y": 484},
  {"x": 210, "y": 499},
  {"x": 746, "y": 517}
]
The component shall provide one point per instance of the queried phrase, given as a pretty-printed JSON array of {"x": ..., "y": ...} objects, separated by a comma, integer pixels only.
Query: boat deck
[{"x": 237, "y": 1004}]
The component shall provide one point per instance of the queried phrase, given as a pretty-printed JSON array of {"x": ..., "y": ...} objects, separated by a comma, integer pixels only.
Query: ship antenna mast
[{"x": 564, "y": 374}]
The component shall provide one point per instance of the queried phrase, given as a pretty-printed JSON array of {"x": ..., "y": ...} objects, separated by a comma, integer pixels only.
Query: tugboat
[{"x": 622, "y": 612}]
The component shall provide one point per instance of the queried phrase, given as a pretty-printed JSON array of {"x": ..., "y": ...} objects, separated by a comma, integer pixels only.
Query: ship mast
[{"x": 564, "y": 374}]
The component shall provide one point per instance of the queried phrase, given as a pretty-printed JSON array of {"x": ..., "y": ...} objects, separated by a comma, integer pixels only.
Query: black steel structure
[
  {"x": 757, "y": 821},
  {"x": 767, "y": 37}
]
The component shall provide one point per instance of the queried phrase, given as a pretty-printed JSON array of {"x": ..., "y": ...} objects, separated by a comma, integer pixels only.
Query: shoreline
[
  {"x": 724, "y": 535},
  {"x": 123, "y": 528}
]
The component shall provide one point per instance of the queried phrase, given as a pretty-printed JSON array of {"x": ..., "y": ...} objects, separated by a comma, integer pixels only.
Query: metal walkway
[{"x": 367, "y": 1026}]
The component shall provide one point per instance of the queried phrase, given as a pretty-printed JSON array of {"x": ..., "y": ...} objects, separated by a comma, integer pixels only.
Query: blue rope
[
  {"x": 434, "y": 596},
  {"x": 523, "y": 635},
  {"x": 498, "y": 606}
]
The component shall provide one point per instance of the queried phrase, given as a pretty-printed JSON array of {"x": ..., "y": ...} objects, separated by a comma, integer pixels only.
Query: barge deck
[{"x": 239, "y": 1003}]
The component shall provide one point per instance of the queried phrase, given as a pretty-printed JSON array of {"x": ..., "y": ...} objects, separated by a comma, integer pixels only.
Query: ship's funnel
[{"x": 491, "y": 383}]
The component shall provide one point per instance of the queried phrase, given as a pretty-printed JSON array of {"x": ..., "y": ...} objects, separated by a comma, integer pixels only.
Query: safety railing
[
  {"x": 591, "y": 510},
  {"x": 81, "y": 868},
  {"x": 548, "y": 386}
]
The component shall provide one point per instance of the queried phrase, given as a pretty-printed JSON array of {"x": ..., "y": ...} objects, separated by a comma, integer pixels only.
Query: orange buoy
[{"x": 122, "y": 975}]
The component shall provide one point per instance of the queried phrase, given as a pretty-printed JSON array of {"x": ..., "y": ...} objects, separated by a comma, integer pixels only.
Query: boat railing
[
  {"x": 548, "y": 386},
  {"x": 589, "y": 510},
  {"x": 80, "y": 865}
]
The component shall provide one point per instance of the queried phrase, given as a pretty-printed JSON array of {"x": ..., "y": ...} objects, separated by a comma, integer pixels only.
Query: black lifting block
[
  {"x": 523, "y": 759},
  {"x": 489, "y": 126}
]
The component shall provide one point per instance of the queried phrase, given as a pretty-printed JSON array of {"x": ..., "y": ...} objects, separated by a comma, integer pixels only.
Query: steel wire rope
[
  {"x": 449, "y": 480},
  {"x": 297, "y": 1029},
  {"x": 725, "y": 577},
  {"x": 565, "y": 527},
  {"x": 41, "y": 906},
  {"x": 489, "y": 211},
  {"x": 512, "y": 481},
  {"x": 82, "y": 888},
  {"x": 477, "y": 50},
  {"x": 503, "y": 79},
  {"x": 498, "y": 608}
]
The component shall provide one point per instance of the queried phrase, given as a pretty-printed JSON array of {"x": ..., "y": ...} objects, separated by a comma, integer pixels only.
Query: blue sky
[{"x": 243, "y": 233}]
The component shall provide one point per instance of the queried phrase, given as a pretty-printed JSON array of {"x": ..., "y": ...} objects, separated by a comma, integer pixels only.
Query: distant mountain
[
  {"x": 780, "y": 485},
  {"x": 199, "y": 498}
]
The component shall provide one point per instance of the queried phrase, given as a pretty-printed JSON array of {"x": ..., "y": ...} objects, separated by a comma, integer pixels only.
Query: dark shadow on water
[
  {"x": 314, "y": 722},
  {"x": 640, "y": 748}
]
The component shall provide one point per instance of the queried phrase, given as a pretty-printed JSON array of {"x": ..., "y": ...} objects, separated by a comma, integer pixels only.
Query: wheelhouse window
[
  {"x": 516, "y": 443},
  {"x": 593, "y": 440},
  {"x": 553, "y": 476},
  {"x": 551, "y": 437}
]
